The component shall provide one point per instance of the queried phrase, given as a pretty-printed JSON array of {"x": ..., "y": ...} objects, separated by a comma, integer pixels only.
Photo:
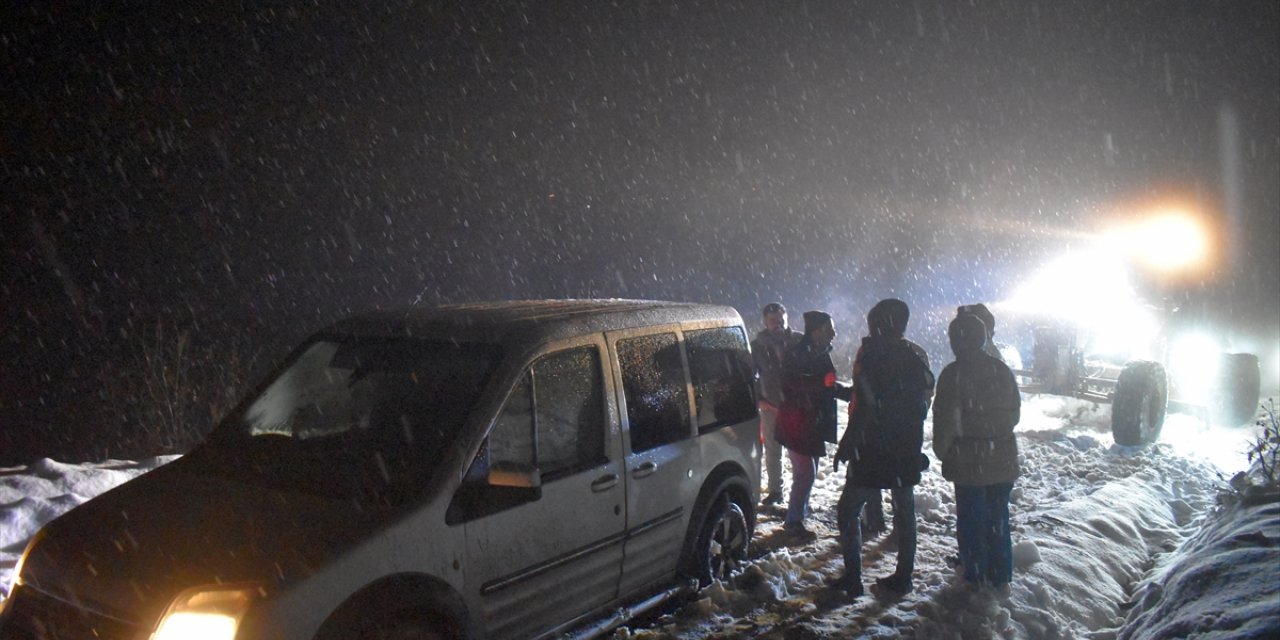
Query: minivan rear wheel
[{"x": 724, "y": 542}]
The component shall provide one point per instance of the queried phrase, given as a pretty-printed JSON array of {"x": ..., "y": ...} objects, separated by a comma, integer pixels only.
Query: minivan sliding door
[{"x": 662, "y": 456}]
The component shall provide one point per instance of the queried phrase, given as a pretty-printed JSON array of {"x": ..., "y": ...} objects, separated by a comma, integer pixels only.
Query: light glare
[
  {"x": 1170, "y": 241},
  {"x": 1193, "y": 364},
  {"x": 199, "y": 614},
  {"x": 1175, "y": 242},
  {"x": 1090, "y": 289},
  {"x": 196, "y": 626}
]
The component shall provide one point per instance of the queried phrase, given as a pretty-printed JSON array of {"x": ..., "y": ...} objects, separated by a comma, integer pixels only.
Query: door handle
[
  {"x": 604, "y": 483},
  {"x": 646, "y": 468}
]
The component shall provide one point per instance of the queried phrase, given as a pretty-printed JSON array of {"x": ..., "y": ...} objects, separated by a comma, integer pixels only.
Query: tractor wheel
[{"x": 1140, "y": 402}]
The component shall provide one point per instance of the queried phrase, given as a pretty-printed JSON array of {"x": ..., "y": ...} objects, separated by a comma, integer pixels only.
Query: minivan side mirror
[
  {"x": 505, "y": 485},
  {"x": 515, "y": 475},
  {"x": 522, "y": 482}
]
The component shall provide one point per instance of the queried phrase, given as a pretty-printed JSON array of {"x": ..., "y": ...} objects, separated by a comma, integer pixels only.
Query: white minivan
[{"x": 500, "y": 470}]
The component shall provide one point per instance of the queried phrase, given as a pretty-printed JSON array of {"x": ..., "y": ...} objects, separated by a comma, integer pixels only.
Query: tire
[
  {"x": 1235, "y": 395},
  {"x": 723, "y": 542},
  {"x": 1140, "y": 402}
]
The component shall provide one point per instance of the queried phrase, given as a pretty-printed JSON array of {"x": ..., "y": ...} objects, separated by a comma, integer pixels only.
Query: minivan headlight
[{"x": 205, "y": 613}]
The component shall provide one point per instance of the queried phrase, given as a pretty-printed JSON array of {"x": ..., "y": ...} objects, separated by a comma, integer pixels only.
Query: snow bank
[
  {"x": 1091, "y": 550},
  {"x": 1223, "y": 583},
  {"x": 34, "y": 494}
]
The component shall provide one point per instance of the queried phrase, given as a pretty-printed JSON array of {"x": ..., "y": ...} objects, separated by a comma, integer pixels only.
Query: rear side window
[
  {"x": 720, "y": 366},
  {"x": 654, "y": 385}
]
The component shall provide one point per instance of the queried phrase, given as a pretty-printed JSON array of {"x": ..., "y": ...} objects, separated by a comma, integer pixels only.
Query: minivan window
[
  {"x": 553, "y": 420},
  {"x": 570, "y": 410},
  {"x": 511, "y": 439},
  {"x": 355, "y": 418},
  {"x": 719, "y": 366},
  {"x": 653, "y": 383},
  {"x": 561, "y": 400}
]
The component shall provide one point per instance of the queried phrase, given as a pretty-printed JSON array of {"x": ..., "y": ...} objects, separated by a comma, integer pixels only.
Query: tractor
[{"x": 1093, "y": 336}]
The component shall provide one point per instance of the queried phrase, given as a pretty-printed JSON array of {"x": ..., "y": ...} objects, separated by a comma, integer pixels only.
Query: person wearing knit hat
[
  {"x": 892, "y": 390},
  {"x": 768, "y": 349},
  {"x": 807, "y": 419},
  {"x": 976, "y": 410}
]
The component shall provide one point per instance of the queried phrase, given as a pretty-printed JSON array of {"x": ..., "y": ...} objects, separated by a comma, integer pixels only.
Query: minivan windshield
[{"x": 365, "y": 419}]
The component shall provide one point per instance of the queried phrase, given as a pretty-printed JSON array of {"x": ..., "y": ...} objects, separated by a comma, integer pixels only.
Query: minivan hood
[{"x": 130, "y": 551}]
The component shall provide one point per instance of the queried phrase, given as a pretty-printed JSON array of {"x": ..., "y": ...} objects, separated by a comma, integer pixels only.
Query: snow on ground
[
  {"x": 39, "y": 492},
  {"x": 1226, "y": 577},
  {"x": 1097, "y": 531},
  {"x": 1090, "y": 520}
]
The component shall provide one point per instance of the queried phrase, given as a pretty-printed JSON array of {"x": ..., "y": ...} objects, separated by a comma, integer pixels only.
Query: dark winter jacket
[
  {"x": 892, "y": 389},
  {"x": 974, "y": 414},
  {"x": 768, "y": 349},
  {"x": 810, "y": 388}
]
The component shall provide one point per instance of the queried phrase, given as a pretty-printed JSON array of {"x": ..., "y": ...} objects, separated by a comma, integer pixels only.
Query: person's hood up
[
  {"x": 889, "y": 318},
  {"x": 967, "y": 334}
]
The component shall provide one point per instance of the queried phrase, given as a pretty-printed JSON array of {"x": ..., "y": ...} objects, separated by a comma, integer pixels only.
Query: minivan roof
[{"x": 526, "y": 321}]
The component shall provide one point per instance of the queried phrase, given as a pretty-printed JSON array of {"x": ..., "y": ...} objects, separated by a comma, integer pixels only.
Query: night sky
[{"x": 251, "y": 174}]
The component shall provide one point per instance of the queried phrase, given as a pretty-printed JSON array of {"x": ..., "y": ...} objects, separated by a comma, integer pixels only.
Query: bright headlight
[
  {"x": 1171, "y": 242},
  {"x": 1171, "y": 239},
  {"x": 208, "y": 613}
]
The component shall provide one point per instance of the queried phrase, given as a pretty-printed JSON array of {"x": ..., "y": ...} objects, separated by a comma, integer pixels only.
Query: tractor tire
[
  {"x": 1140, "y": 402},
  {"x": 1235, "y": 395}
]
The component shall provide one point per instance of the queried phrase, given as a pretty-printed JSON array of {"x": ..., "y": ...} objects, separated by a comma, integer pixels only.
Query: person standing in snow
[
  {"x": 768, "y": 349},
  {"x": 882, "y": 445},
  {"x": 973, "y": 419},
  {"x": 873, "y": 512},
  {"x": 807, "y": 420}
]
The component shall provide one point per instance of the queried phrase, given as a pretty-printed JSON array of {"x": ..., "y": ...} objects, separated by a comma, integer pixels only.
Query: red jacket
[{"x": 807, "y": 417}]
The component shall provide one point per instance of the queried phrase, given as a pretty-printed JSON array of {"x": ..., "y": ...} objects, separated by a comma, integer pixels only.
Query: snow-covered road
[{"x": 1090, "y": 521}]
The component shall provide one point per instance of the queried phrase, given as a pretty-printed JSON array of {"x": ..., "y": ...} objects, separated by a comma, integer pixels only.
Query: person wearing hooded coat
[
  {"x": 882, "y": 446},
  {"x": 807, "y": 417},
  {"x": 989, "y": 321},
  {"x": 974, "y": 413}
]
